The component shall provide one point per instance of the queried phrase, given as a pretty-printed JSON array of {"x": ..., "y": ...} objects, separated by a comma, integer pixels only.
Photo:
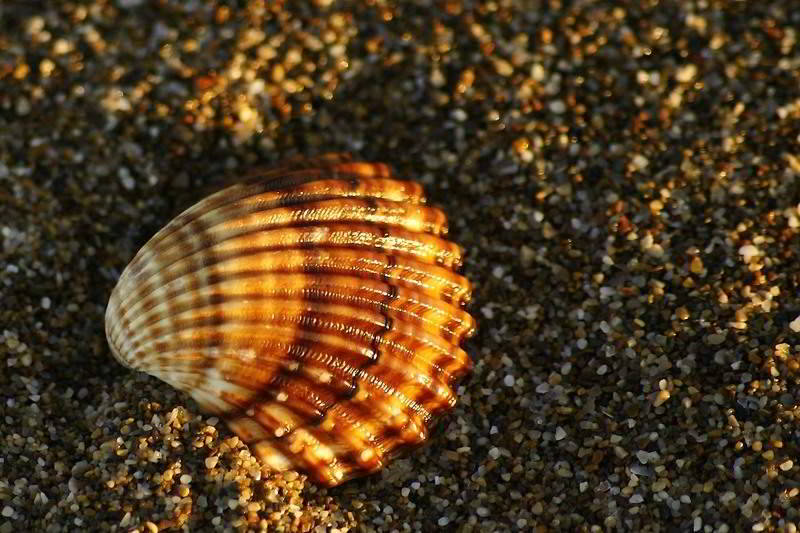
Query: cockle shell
[{"x": 314, "y": 306}]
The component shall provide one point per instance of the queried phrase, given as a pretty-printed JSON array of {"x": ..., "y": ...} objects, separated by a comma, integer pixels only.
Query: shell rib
[{"x": 314, "y": 306}]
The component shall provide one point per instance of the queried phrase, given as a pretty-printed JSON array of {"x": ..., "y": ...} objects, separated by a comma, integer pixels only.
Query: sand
[{"x": 623, "y": 176}]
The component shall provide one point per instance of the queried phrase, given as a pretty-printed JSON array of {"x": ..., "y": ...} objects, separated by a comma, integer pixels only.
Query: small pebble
[{"x": 661, "y": 397}]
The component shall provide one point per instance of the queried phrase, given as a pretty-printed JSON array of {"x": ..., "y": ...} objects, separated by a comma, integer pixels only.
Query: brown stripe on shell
[
  {"x": 406, "y": 216},
  {"x": 361, "y": 412},
  {"x": 424, "y": 248},
  {"x": 306, "y": 186},
  {"x": 221, "y": 263},
  {"x": 288, "y": 336},
  {"x": 292, "y": 186},
  {"x": 414, "y": 218},
  {"x": 362, "y": 427},
  {"x": 296, "y": 386},
  {"x": 434, "y": 317},
  {"x": 314, "y": 306},
  {"x": 258, "y": 179},
  {"x": 401, "y": 352},
  {"x": 216, "y": 281}
]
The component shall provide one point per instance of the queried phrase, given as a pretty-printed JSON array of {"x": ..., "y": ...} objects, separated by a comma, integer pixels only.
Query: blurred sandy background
[{"x": 624, "y": 176}]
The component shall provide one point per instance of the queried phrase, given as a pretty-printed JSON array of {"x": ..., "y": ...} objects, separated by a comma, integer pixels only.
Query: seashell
[{"x": 314, "y": 306}]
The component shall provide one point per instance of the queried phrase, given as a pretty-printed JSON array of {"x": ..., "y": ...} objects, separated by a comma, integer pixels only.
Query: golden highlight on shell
[{"x": 314, "y": 306}]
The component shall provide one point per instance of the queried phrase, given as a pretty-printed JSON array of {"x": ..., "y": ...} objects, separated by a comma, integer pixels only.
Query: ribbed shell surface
[{"x": 314, "y": 306}]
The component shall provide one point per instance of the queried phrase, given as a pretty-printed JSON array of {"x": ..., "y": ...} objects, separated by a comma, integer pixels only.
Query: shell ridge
[
  {"x": 341, "y": 319},
  {"x": 214, "y": 314},
  {"x": 316, "y": 233},
  {"x": 259, "y": 179},
  {"x": 407, "y": 268},
  {"x": 366, "y": 435},
  {"x": 351, "y": 209},
  {"x": 247, "y": 201},
  {"x": 322, "y": 399},
  {"x": 214, "y": 311},
  {"x": 448, "y": 254},
  {"x": 289, "y": 339},
  {"x": 439, "y": 316},
  {"x": 402, "y": 345},
  {"x": 293, "y": 184}
]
